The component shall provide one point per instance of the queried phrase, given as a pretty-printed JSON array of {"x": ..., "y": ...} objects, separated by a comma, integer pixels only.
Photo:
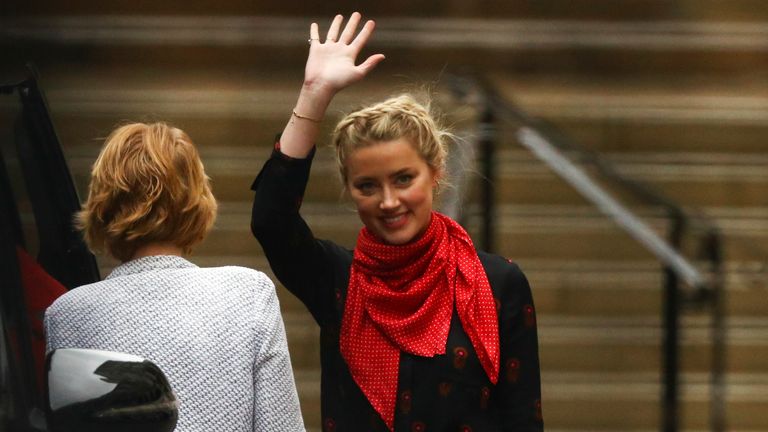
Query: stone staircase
[{"x": 674, "y": 93}]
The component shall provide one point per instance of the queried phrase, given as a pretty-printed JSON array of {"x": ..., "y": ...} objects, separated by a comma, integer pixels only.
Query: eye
[
  {"x": 366, "y": 188},
  {"x": 403, "y": 179}
]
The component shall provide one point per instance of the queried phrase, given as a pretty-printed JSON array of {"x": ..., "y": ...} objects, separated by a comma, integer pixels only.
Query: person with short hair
[
  {"x": 216, "y": 333},
  {"x": 419, "y": 331},
  {"x": 148, "y": 190}
]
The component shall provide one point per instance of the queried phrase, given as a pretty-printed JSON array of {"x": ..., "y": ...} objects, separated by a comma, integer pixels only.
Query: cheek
[
  {"x": 418, "y": 197},
  {"x": 363, "y": 204}
]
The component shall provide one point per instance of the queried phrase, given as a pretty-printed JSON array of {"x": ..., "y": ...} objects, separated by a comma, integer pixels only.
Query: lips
[{"x": 394, "y": 222}]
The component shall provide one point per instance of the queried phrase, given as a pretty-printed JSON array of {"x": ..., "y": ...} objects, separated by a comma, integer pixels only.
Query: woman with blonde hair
[
  {"x": 217, "y": 333},
  {"x": 419, "y": 331}
]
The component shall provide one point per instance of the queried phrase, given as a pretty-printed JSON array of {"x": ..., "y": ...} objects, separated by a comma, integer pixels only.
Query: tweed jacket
[{"x": 217, "y": 334}]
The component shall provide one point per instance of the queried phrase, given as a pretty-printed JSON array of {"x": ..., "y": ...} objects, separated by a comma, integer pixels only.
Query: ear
[{"x": 437, "y": 175}]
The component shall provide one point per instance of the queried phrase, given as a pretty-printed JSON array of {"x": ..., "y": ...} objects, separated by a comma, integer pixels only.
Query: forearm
[
  {"x": 284, "y": 236},
  {"x": 301, "y": 132}
]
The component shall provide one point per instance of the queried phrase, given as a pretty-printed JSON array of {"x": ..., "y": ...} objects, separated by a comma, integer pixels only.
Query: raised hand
[
  {"x": 330, "y": 68},
  {"x": 331, "y": 63}
]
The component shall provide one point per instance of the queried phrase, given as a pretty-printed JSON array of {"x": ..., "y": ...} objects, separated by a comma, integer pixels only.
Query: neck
[{"x": 157, "y": 249}]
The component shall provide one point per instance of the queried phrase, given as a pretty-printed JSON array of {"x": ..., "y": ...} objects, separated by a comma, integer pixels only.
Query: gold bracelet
[{"x": 299, "y": 116}]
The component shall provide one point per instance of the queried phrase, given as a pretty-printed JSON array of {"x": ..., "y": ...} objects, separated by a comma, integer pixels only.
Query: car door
[{"x": 41, "y": 254}]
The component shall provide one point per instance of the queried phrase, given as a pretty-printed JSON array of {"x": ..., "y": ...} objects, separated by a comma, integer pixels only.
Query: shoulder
[
  {"x": 253, "y": 294},
  {"x": 237, "y": 271},
  {"x": 77, "y": 301},
  {"x": 234, "y": 277},
  {"x": 505, "y": 276},
  {"x": 82, "y": 295},
  {"x": 498, "y": 266}
]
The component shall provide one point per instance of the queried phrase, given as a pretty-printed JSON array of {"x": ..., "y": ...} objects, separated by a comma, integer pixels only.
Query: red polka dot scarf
[{"x": 401, "y": 298}]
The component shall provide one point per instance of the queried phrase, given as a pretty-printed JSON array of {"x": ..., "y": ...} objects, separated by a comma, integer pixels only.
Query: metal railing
[{"x": 565, "y": 158}]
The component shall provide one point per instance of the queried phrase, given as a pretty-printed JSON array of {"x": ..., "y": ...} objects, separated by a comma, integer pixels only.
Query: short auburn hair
[{"x": 147, "y": 185}]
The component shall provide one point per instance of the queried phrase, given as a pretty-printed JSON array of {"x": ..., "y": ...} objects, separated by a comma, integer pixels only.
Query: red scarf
[{"x": 401, "y": 298}]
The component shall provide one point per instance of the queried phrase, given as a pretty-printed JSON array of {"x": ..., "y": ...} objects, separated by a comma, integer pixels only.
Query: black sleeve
[
  {"x": 519, "y": 385},
  {"x": 306, "y": 266}
]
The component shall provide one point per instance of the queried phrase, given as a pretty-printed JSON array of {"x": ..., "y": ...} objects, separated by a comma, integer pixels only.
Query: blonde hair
[
  {"x": 147, "y": 185},
  {"x": 398, "y": 117}
]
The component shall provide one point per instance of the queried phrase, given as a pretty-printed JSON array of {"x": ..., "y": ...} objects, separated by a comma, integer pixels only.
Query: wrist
[
  {"x": 318, "y": 91},
  {"x": 314, "y": 100}
]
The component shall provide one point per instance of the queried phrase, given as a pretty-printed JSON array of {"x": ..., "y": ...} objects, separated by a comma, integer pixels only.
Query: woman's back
[{"x": 215, "y": 332}]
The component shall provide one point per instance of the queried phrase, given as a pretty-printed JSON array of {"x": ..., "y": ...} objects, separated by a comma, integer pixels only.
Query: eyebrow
[
  {"x": 394, "y": 174},
  {"x": 400, "y": 172}
]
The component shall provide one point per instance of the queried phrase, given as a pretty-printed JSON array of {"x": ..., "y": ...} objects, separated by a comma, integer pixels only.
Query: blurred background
[{"x": 655, "y": 109}]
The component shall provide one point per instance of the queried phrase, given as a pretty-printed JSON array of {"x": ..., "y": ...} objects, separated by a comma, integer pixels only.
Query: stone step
[
  {"x": 602, "y": 401},
  {"x": 548, "y": 235},
  {"x": 644, "y": 115},
  {"x": 234, "y": 107},
  {"x": 634, "y": 343},
  {"x": 577, "y": 402},
  {"x": 645, "y": 10},
  {"x": 580, "y": 288},
  {"x": 546, "y": 43}
]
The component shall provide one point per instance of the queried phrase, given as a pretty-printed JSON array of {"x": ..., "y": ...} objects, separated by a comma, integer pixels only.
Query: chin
[
  {"x": 396, "y": 241},
  {"x": 397, "y": 238}
]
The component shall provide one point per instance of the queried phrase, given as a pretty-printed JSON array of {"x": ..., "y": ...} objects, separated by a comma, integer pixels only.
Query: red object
[
  {"x": 40, "y": 291},
  {"x": 401, "y": 298}
]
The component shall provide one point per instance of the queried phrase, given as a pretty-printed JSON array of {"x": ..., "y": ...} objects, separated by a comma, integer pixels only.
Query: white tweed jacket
[{"x": 217, "y": 334}]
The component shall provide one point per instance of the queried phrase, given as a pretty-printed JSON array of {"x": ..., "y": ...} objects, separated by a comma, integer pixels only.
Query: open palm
[{"x": 331, "y": 64}]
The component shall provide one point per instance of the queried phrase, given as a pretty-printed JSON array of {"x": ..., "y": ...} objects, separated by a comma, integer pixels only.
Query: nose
[{"x": 389, "y": 199}]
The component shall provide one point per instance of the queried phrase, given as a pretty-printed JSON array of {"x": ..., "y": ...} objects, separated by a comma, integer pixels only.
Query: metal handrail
[
  {"x": 549, "y": 145},
  {"x": 625, "y": 218}
]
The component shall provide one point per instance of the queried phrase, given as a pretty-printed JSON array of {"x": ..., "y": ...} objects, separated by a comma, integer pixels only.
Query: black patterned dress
[{"x": 449, "y": 392}]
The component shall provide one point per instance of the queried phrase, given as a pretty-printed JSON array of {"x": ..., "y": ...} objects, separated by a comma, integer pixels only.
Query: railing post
[
  {"x": 670, "y": 404},
  {"x": 671, "y": 397},
  {"x": 717, "y": 404},
  {"x": 488, "y": 150}
]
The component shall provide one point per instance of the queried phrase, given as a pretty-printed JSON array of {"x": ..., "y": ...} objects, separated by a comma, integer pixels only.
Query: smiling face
[{"x": 392, "y": 187}]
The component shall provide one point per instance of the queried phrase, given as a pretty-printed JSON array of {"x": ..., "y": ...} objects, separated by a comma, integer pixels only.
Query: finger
[
  {"x": 364, "y": 35},
  {"x": 314, "y": 32},
  {"x": 349, "y": 30},
  {"x": 370, "y": 63},
  {"x": 333, "y": 32}
]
